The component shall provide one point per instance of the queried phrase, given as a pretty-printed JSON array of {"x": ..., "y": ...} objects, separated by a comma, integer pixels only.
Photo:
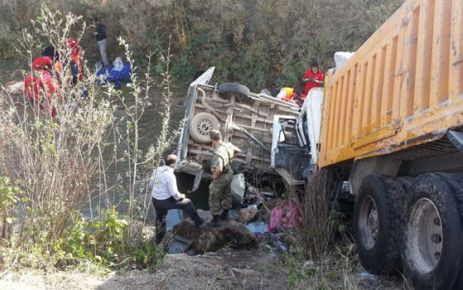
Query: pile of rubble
[{"x": 257, "y": 220}]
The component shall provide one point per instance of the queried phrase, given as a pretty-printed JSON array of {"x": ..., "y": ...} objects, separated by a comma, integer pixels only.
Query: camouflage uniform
[{"x": 219, "y": 193}]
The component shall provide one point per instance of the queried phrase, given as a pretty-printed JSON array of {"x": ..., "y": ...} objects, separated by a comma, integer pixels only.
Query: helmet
[{"x": 72, "y": 42}]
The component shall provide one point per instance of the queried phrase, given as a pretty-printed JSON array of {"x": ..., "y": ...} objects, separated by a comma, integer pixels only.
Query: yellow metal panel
[
  {"x": 425, "y": 38},
  {"x": 440, "y": 59},
  {"x": 337, "y": 112},
  {"x": 403, "y": 87},
  {"x": 456, "y": 51},
  {"x": 350, "y": 106},
  {"x": 378, "y": 90}
]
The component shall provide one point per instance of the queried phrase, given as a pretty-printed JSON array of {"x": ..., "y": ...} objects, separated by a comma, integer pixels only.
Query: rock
[
  {"x": 205, "y": 215},
  {"x": 14, "y": 88},
  {"x": 208, "y": 239}
]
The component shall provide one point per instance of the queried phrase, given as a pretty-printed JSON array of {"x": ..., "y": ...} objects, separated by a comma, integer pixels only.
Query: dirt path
[{"x": 222, "y": 270}]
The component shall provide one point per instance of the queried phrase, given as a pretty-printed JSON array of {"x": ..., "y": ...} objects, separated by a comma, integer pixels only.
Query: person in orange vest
[
  {"x": 312, "y": 78},
  {"x": 290, "y": 95}
]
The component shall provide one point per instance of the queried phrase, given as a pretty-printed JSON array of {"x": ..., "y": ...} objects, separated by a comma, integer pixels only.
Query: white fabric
[
  {"x": 341, "y": 57},
  {"x": 281, "y": 95},
  {"x": 118, "y": 65},
  {"x": 164, "y": 184}
]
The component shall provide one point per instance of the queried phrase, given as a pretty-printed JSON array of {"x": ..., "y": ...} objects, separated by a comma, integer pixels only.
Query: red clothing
[
  {"x": 310, "y": 84},
  {"x": 41, "y": 87},
  {"x": 41, "y": 63}
]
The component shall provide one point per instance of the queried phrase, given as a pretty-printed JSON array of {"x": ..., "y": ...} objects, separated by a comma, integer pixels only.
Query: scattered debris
[
  {"x": 248, "y": 214},
  {"x": 238, "y": 187},
  {"x": 287, "y": 215},
  {"x": 257, "y": 227},
  {"x": 178, "y": 245}
]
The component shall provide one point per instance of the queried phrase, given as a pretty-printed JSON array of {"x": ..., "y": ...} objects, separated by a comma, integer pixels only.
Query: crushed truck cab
[{"x": 296, "y": 139}]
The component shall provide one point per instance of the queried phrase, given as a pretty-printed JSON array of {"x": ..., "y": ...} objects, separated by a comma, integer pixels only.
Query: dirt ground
[{"x": 225, "y": 269}]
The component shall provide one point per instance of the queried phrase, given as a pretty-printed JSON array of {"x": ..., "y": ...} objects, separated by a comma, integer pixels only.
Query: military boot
[
  {"x": 215, "y": 222},
  {"x": 224, "y": 216}
]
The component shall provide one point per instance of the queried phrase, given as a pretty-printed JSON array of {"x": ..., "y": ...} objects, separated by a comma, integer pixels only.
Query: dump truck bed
[
  {"x": 402, "y": 88},
  {"x": 245, "y": 121}
]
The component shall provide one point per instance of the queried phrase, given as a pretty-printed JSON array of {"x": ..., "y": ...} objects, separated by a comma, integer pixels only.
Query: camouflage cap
[{"x": 215, "y": 135}]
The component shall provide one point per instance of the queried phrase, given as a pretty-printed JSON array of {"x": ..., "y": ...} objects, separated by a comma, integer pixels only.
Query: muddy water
[{"x": 150, "y": 127}]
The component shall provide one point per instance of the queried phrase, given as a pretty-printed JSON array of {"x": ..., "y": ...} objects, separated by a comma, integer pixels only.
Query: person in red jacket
[
  {"x": 312, "y": 78},
  {"x": 76, "y": 60},
  {"x": 40, "y": 86}
]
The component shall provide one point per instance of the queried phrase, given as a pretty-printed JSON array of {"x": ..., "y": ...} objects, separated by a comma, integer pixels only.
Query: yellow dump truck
[{"x": 392, "y": 120}]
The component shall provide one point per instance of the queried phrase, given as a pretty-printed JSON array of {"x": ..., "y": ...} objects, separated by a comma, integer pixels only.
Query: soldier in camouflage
[{"x": 220, "y": 198}]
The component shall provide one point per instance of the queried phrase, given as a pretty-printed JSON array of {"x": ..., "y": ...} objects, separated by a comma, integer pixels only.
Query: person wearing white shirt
[{"x": 166, "y": 196}]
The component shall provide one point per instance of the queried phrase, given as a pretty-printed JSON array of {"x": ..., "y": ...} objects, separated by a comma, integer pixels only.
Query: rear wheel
[
  {"x": 378, "y": 220},
  {"x": 200, "y": 126},
  {"x": 432, "y": 251}
]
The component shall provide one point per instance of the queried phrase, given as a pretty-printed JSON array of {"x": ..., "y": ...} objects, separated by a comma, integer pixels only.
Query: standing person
[
  {"x": 220, "y": 198},
  {"x": 76, "y": 60},
  {"x": 312, "y": 78},
  {"x": 166, "y": 196},
  {"x": 100, "y": 35}
]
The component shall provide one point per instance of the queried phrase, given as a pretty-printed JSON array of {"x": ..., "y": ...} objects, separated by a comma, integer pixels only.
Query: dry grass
[{"x": 63, "y": 160}]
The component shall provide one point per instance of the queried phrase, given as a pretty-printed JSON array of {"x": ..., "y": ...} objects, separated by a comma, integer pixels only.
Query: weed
[{"x": 61, "y": 161}]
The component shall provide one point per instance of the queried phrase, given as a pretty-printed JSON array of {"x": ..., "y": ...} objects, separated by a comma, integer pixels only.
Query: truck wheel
[
  {"x": 378, "y": 223},
  {"x": 432, "y": 251},
  {"x": 200, "y": 126},
  {"x": 240, "y": 91}
]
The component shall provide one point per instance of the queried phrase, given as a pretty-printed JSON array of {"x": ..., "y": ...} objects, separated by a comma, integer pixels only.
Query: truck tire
[
  {"x": 200, "y": 126},
  {"x": 432, "y": 251},
  {"x": 378, "y": 224},
  {"x": 240, "y": 91}
]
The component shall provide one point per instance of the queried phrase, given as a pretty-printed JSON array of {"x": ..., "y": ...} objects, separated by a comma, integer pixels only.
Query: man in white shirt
[{"x": 166, "y": 196}]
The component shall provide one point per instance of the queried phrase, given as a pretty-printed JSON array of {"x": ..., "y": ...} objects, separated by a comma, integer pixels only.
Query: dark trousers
[{"x": 163, "y": 206}]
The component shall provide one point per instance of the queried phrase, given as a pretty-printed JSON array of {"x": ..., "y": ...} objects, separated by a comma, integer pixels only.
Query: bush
[
  {"x": 79, "y": 149},
  {"x": 103, "y": 241},
  {"x": 254, "y": 42},
  {"x": 9, "y": 196}
]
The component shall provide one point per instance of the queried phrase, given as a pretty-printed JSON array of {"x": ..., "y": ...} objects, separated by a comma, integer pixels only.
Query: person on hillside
[
  {"x": 290, "y": 95},
  {"x": 165, "y": 196},
  {"x": 312, "y": 78},
  {"x": 220, "y": 198},
  {"x": 101, "y": 35},
  {"x": 76, "y": 60},
  {"x": 41, "y": 86}
]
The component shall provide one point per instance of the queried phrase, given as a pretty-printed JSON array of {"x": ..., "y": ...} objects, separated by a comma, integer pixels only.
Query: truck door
[{"x": 289, "y": 156}]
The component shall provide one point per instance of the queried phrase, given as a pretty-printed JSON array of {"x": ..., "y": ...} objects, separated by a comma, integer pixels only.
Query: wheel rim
[
  {"x": 369, "y": 223},
  {"x": 204, "y": 126},
  {"x": 424, "y": 238}
]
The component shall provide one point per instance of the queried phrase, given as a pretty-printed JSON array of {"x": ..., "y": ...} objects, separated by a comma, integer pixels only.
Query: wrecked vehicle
[
  {"x": 244, "y": 118},
  {"x": 392, "y": 126}
]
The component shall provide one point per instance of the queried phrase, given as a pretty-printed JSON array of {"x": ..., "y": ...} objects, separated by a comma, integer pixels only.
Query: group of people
[
  {"x": 47, "y": 75},
  {"x": 165, "y": 194},
  {"x": 312, "y": 78}
]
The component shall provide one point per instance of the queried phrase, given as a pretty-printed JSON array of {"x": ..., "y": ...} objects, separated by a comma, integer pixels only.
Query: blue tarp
[{"x": 114, "y": 76}]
